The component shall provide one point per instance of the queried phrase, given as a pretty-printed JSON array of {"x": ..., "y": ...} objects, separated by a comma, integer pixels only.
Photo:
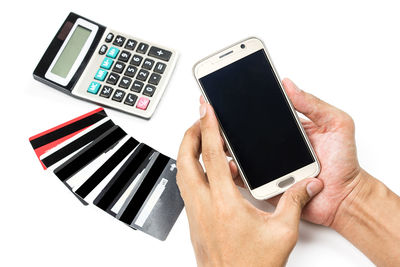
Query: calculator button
[
  {"x": 143, "y": 103},
  {"x": 154, "y": 78},
  {"x": 106, "y": 91},
  {"x": 142, "y": 48},
  {"x": 100, "y": 75},
  {"x": 93, "y": 87},
  {"x": 107, "y": 63},
  {"x": 112, "y": 52},
  {"x": 118, "y": 95},
  {"x": 131, "y": 71},
  {"x": 130, "y": 99},
  {"x": 160, "y": 67},
  {"x": 118, "y": 67},
  {"x": 148, "y": 64},
  {"x": 142, "y": 75},
  {"x": 160, "y": 53},
  {"x": 124, "y": 56},
  {"x": 109, "y": 37},
  {"x": 137, "y": 86},
  {"x": 130, "y": 44},
  {"x": 119, "y": 40},
  {"x": 113, "y": 78},
  {"x": 136, "y": 60},
  {"x": 125, "y": 82},
  {"x": 149, "y": 90},
  {"x": 103, "y": 49}
]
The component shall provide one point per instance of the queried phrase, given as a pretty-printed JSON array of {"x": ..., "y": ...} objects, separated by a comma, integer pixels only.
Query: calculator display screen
[
  {"x": 71, "y": 51},
  {"x": 256, "y": 119}
]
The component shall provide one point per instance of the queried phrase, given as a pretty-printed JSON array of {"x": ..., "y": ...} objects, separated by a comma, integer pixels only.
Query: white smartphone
[{"x": 257, "y": 120}]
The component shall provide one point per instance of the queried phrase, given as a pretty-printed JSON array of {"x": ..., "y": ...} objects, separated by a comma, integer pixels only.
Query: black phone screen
[{"x": 256, "y": 119}]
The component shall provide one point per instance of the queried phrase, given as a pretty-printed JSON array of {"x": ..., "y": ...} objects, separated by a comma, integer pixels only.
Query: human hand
[
  {"x": 226, "y": 230},
  {"x": 331, "y": 133}
]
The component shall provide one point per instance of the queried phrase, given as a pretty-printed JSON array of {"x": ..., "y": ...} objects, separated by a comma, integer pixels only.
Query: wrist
[{"x": 352, "y": 205}]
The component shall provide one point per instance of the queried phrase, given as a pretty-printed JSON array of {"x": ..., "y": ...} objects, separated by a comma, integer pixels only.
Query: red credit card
[{"x": 46, "y": 140}]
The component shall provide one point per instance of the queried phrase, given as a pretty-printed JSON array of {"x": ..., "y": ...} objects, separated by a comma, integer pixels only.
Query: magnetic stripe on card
[
  {"x": 106, "y": 168},
  {"x": 67, "y": 128},
  {"x": 135, "y": 203},
  {"x": 77, "y": 144},
  {"x": 89, "y": 153},
  {"x": 122, "y": 178}
]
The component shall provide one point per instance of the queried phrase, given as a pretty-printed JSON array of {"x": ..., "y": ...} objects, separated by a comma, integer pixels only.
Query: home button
[{"x": 285, "y": 183}]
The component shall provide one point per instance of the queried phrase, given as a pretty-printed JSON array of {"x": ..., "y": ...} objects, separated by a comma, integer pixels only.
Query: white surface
[{"x": 345, "y": 52}]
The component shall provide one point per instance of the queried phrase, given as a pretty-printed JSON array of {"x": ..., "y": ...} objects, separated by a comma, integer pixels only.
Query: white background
[{"x": 345, "y": 52}]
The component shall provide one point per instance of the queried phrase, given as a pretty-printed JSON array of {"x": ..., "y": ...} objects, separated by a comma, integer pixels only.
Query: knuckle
[
  {"x": 190, "y": 133},
  {"x": 348, "y": 121},
  {"x": 211, "y": 154},
  {"x": 296, "y": 199}
]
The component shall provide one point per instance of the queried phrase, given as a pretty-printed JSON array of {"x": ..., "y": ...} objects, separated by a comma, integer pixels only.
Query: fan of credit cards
[{"x": 102, "y": 165}]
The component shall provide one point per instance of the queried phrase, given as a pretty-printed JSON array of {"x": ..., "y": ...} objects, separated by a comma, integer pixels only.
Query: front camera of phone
[{"x": 242, "y": 46}]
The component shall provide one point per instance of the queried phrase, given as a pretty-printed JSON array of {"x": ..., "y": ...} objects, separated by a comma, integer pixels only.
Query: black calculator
[{"x": 92, "y": 62}]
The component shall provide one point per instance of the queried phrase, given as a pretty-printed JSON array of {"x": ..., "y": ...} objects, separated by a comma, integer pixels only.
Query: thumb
[{"x": 295, "y": 198}]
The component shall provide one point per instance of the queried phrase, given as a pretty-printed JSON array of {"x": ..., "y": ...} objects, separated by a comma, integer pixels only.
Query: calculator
[{"x": 92, "y": 62}]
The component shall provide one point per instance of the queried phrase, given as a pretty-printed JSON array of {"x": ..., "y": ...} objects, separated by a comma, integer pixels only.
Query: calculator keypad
[{"x": 130, "y": 71}]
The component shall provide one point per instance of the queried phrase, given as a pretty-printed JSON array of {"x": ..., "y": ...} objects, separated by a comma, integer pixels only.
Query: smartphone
[{"x": 260, "y": 127}]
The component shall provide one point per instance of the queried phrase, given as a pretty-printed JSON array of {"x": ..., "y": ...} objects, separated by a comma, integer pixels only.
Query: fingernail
[
  {"x": 203, "y": 110},
  {"x": 314, "y": 188}
]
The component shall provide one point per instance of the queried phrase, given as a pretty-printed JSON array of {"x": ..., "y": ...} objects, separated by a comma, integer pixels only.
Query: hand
[
  {"x": 226, "y": 230},
  {"x": 331, "y": 133}
]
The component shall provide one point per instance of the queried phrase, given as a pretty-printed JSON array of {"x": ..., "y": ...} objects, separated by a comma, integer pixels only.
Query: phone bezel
[{"x": 228, "y": 56}]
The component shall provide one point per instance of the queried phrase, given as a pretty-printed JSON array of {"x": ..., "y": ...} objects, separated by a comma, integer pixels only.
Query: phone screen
[{"x": 256, "y": 119}]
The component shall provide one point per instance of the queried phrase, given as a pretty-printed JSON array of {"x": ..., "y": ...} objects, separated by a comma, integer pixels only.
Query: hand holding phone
[
  {"x": 259, "y": 125},
  {"x": 226, "y": 230}
]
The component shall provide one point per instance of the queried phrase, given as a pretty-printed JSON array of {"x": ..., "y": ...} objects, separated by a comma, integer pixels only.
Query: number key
[
  {"x": 118, "y": 67},
  {"x": 149, "y": 90},
  {"x": 136, "y": 60},
  {"x": 124, "y": 56},
  {"x": 142, "y": 75},
  {"x": 131, "y": 71},
  {"x": 113, "y": 78},
  {"x": 137, "y": 86},
  {"x": 148, "y": 64},
  {"x": 125, "y": 82}
]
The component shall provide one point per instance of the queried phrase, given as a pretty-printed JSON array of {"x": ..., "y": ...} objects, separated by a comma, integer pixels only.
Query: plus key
[{"x": 160, "y": 53}]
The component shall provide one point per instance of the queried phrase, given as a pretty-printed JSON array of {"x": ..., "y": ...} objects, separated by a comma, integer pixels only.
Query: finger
[
  {"x": 190, "y": 175},
  {"x": 235, "y": 174},
  {"x": 202, "y": 100},
  {"x": 318, "y": 111},
  {"x": 213, "y": 154},
  {"x": 295, "y": 198}
]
